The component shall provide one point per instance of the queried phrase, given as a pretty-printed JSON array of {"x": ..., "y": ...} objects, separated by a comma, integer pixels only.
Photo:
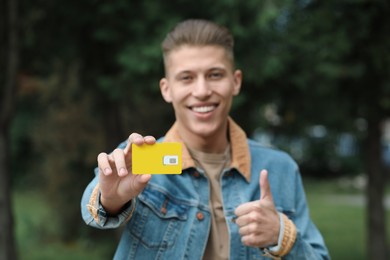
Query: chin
[{"x": 204, "y": 130}]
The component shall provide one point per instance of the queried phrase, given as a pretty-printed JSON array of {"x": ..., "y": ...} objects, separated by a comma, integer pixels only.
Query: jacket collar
[{"x": 240, "y": 159}]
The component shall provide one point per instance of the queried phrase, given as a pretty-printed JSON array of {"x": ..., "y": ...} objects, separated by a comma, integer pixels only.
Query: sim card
[
  {"x": 171, "y": 160},
  {"x": 158, "y": 158}
]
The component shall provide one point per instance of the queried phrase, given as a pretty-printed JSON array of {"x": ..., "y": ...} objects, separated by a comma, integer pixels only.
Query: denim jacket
[{"x": 170, "y": 219}]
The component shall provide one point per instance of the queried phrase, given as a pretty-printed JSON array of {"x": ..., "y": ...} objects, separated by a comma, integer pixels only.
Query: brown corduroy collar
[{"x": 240, "y": 159}]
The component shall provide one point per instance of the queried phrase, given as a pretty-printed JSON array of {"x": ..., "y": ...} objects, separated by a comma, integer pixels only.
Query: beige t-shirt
[{"x": 213, "y": 164}]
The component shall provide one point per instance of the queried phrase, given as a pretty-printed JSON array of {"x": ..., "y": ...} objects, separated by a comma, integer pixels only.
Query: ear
[
  {"x": 237, "y": 77},
  {"x": 164, "y": 88}
]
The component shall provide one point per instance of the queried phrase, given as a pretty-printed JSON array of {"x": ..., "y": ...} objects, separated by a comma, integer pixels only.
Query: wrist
[
  {"x": 276, "y": 246},
  {"x": 112, "y": 206},
  {"x": 286, "y": 239}
]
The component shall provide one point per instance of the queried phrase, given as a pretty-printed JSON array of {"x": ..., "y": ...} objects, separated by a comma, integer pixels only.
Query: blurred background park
[{"x": 78, "y": 76}]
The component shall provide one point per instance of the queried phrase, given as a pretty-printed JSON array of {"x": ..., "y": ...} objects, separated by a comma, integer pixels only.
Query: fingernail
[{"x": 107, "y": 171}]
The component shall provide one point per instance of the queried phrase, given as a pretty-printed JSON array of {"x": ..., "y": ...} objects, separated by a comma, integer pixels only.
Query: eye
[
  {"x": 185, "y": 78},
  {"x": 215, "y": 75}
]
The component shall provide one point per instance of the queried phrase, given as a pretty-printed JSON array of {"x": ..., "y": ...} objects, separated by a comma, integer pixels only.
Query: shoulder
[
  {"x": 282, "y": 168},
  {"x": 269, "y": 153}
]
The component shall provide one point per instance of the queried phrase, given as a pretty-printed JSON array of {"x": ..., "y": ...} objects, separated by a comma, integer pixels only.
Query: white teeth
[{"x": 204, "y": 109}]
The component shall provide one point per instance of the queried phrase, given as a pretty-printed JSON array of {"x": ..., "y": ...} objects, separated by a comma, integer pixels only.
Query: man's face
[{"x": 200, "y": 83}]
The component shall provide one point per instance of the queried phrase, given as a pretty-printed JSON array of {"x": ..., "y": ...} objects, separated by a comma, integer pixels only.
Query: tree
[
  {"x": 312, "y": 59},
  {"x": 353, "y": 55},
  {"x": 329, "y": 64},
  {"x": 9, "y": 58}
]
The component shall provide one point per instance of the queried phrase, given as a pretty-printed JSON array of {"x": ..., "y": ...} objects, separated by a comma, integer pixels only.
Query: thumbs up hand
[{"x": 258, "y": 221}]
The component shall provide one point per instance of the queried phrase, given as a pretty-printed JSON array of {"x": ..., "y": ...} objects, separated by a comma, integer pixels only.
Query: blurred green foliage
[{"x": 90, "y": 70}]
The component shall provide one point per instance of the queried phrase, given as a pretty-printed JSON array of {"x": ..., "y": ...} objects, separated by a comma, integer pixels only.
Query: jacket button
[
  {"x": 196, "y": 174},
  {"x": 199, "y": 216}
]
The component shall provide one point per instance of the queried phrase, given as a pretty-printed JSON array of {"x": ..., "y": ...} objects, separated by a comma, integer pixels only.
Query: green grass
[
  {"x": 37, "y": 234},
  {"x": 342, "y": 227},
  {"x": 340, "y": 220}
]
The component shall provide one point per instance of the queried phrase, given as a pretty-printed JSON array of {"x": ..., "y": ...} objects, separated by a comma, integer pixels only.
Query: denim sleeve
[
  {"x": 94, "y": 214},
  {"x": 309, "y": 242}
]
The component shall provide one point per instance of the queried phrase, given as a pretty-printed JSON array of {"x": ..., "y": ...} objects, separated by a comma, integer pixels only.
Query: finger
[
  {"x": 242, "y": 221},
  {"x": 253, "y": 240},
  {"x": 246, "y": 208},
  {"x": 140, "y": 182},
  {"x": 247, "y": 240},
  {"x": 134, "y": 138},
  {"x": 120, "y": 163},
  {"x": 251, "y": 228},
  {"x": 104, "y": 164},
  {"x": 149, "y": 139},
  {"x": 249, "y": 218},
  {"x": 143, "y": 179},
  {"x": 265, "y": 188}
]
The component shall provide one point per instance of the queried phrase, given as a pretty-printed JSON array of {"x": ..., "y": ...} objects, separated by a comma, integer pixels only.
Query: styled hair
[{"x": 197, "y": 32}]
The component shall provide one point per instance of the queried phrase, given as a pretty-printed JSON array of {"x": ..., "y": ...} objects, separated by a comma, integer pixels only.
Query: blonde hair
[{"x": 198, "y": 32}]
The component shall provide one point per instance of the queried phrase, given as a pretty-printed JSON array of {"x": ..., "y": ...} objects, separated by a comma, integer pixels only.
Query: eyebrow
[
  {"x": 209, "y": 69},
  {"x": 217, "y": 68}
]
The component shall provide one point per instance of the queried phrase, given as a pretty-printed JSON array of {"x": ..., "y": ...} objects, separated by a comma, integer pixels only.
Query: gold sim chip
[{"x": 158, "y": 158}]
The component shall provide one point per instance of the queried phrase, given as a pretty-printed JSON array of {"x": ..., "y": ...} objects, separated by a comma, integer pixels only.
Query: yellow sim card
[{"x": 158, "y": 158}]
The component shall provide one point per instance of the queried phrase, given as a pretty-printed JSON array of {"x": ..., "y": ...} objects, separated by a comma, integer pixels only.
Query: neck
[{"x": 215, "y": 143}]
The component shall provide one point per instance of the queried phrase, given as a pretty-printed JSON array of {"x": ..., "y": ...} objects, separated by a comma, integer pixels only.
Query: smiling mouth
[{"x": 203, "y": 109}]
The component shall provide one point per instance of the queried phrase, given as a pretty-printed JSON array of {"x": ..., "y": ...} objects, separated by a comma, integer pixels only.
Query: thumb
[
  {"x": 265, "y": 188},
  {"x": 139, "y": 183},
  {"x": 144, "y": 179}
]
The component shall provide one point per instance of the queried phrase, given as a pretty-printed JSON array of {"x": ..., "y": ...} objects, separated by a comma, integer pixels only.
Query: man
[{"x": 234, "y": 199}]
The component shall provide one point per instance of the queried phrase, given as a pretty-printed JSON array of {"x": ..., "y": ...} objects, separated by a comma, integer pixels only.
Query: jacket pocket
[{"x": 158, "y": 219}]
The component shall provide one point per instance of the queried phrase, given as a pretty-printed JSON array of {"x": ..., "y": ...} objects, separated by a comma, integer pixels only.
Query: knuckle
[
  {"x": 247, "y": 240},
  {"x": 253, "y": 216},
  {"x": 252, "y": 228},
  {"x": 117, "y": 152},
  {"x": 253, "y": 241},
  {"x": 255, "y": 206},
  {"x": 133, "y": 136}
]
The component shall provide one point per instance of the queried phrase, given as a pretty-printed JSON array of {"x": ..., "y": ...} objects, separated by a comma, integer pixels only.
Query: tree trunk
[
  {"x": 376, "y": 214},
  {"x": 7, "y": 245},
  {"x": 10, "y": 59}
]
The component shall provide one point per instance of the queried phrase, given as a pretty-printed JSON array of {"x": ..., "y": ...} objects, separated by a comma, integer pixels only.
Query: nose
[{"x": 201, "y": 88}]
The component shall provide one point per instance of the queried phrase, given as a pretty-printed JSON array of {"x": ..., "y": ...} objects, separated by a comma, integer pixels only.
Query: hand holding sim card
[{"x": 158, "y": 158}]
